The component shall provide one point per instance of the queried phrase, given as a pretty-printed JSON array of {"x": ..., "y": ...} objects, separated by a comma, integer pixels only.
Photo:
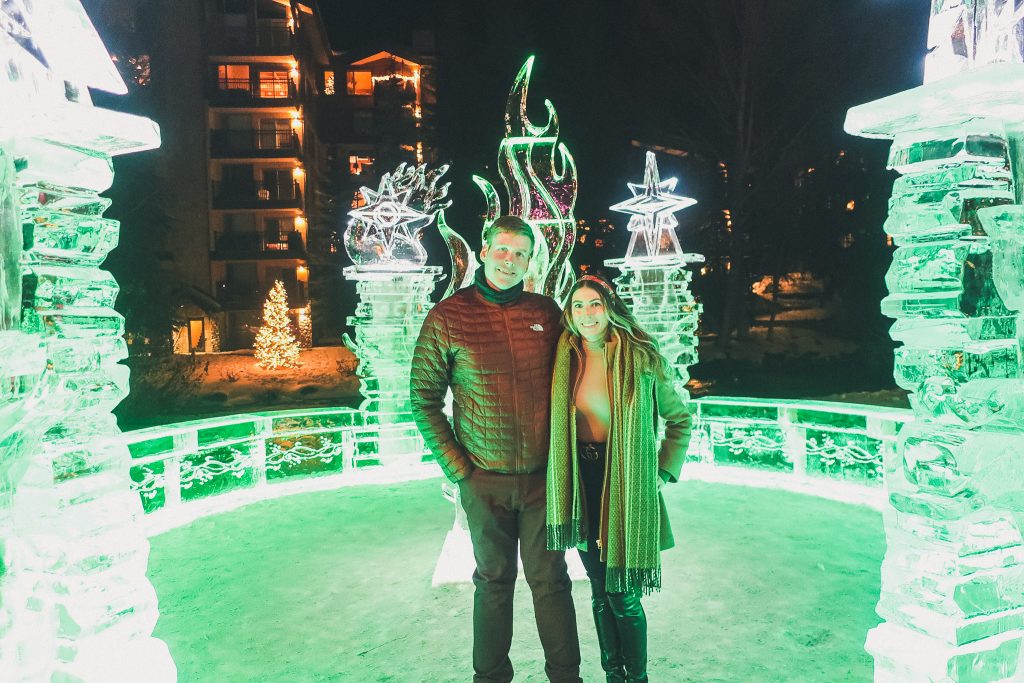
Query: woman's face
[{"x": 588, "y": 314}]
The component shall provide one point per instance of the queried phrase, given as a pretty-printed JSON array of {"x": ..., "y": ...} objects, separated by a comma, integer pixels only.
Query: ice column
[
  {"x": 27, "y": 634},
  {"x": 655, "y": 282},
  {"x": 75, "y": 604},
  {"x": 394, "y": 286},
  {"x": 952, "y": 595}
]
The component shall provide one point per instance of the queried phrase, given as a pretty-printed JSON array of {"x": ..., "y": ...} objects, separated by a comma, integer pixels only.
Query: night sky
[{"x": 609, "y": 68}]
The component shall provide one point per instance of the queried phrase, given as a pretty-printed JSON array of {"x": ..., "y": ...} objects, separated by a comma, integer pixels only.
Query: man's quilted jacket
[{"x": 498, "y": 361}]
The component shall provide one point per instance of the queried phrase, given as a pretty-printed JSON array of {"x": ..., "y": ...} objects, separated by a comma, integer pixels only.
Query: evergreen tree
[{"x": 276, "y": 346}]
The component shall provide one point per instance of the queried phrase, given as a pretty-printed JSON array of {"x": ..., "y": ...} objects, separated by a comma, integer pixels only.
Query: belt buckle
[{"x": 590, "y": 452}]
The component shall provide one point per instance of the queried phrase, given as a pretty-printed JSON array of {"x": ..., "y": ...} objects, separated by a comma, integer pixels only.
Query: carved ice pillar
[
  {"x": 27, "y": 630},
  {"x": 659, "y": 296},
  {"x": 953, "y": 575},
  {"x": 383, "y": 239},
  {"x": 391, "y": 309},
  {"x": 655, "y": 282},
  {"x": 75, "y": 603}
]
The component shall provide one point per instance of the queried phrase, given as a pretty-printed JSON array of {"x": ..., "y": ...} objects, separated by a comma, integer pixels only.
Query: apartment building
[{"x": 268, "y": 132}]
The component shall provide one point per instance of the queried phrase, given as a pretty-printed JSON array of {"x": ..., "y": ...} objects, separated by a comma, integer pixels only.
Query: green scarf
[
  {"x": 630, "y": 543},
  {"x": 495, "y": 296}
]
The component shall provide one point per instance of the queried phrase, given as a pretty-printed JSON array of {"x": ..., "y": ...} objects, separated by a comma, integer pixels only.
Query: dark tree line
[{"x": 755, "y": 91}]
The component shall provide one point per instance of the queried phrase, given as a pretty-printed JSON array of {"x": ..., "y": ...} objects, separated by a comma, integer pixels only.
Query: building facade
[{"x": 268, "y": 134}]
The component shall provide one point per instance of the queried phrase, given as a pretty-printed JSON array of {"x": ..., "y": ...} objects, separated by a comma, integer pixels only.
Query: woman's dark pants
[{"x": 619, "y": 617}]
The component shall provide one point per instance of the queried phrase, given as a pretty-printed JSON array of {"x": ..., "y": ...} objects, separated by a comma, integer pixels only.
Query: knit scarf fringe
[
  {"x": 633, "y": 579},
  {"x": 566, "y": 536}
]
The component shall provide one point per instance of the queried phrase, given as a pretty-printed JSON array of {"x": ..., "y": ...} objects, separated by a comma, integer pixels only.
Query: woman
[{"x": 610, "y": 384}]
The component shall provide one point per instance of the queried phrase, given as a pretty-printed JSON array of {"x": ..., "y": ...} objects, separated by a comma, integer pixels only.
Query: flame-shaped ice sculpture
[
  {"x": 464, "y": 261},
  {"x": 540, "y": 178}
]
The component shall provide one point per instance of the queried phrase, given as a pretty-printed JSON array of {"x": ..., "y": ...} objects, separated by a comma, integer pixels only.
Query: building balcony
[
  {"x": 268, "y": 38},
  {"x": 257, "y": 195},
  {"x": 252, "y": 245},
  {"x": 242, "y": 296},
  {"x": 243, "y": 92},
  {"x": 249, "y": 143}
]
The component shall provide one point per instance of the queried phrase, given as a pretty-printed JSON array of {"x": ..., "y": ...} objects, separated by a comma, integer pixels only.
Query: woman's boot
[
  {"x": 632, "y": 630},
  {"x": 608, "y": 640}
]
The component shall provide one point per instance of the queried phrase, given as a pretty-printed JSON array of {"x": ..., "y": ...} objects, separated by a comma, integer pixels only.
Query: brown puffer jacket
[{"x": 498, "y": 361}]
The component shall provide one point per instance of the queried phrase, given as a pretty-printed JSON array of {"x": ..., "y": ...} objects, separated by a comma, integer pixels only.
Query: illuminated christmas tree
[{"x": 276, "y": 346}]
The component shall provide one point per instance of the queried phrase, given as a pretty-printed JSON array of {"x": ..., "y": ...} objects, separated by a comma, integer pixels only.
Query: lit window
[
  {"x": 599, "y": 243},
  {"x": 360, "y": 83},
  {"x": 328, "y": 82},
  {"x": 847, "y": 240},
  {"x": 274, "y": 84},
  {"x": 233, "y": 76},
  {"x": 888, "y": 240},
  {"x": 358, "y": 200},
  {"x": 358, "y": 164},
  {"x": 851, "y": 205}
]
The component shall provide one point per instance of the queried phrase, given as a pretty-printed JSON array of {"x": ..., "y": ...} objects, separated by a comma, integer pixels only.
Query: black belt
[{"x": 590, "y": 451}]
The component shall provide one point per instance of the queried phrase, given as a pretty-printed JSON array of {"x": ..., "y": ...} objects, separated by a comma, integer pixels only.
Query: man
[{"x": 493, "y": 344}]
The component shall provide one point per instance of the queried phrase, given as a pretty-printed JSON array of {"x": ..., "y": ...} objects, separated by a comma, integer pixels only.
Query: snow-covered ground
[
  {"x": 336, "y": 586},
  {"x": 783, "y": 341},
  {"x": 326, "y": 377}
]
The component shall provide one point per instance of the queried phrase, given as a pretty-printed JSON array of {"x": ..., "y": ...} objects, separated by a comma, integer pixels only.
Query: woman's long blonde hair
[{"x": 634, "y": 338}]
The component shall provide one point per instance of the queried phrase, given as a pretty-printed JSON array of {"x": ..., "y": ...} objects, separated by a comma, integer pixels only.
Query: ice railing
[{"x": 185, "y": 470}]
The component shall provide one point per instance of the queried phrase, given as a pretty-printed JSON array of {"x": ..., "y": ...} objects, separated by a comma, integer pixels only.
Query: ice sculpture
[
  {"x": 540, "y": 178},
  {"x": 953, "y": 576},
  {"x": 75, "y": 604},
  {"x": 394, "y": 285},
  {"x": 655, "y": 283},
  {"x": 384, "y": 233},
  {"x": 651, "y": 209},
  {"x": 464, "y": 263},
  {"x": 964, "y": 34}
]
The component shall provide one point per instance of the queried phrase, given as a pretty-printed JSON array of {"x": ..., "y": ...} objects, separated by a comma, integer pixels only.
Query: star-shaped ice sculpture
[
  {"x": 387, "y": 215},
  {"x": 651, "y": 208}
]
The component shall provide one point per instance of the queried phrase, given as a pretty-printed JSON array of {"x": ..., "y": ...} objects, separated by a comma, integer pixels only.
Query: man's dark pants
[{"x": 503, "y": 511}]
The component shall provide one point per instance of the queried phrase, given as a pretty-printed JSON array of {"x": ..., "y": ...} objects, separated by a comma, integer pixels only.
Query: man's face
[{"x": 506, "y": 259}]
